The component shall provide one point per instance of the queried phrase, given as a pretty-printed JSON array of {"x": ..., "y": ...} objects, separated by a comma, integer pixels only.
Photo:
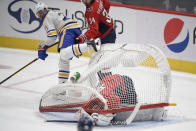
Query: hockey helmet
[{"x": 40, "y": 6}]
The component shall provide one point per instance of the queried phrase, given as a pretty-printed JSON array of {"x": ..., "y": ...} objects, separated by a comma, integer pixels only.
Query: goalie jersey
[
  {"x": 117, "y": 89},
  {"x": 58, "y": 26}
]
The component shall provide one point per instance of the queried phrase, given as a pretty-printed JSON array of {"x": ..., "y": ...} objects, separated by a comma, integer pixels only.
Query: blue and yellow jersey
[{"x": 56, "y": 25}]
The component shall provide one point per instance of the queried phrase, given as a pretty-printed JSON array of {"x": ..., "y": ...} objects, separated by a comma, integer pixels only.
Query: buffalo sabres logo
[{"x": 22, "y": 11}]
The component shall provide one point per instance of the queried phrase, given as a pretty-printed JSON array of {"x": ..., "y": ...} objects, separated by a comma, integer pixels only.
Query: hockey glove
[
  {"x": 42, "y": 50},
  {"x": 42, "y": 53},
  {"x": 80, "y": 39}
]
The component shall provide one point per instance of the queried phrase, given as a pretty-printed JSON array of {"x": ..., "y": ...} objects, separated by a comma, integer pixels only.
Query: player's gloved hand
[
  {"x": 42, "y": 54},
  {"x": 80, "y": 39},
  {"x": 42, "y": 51}
]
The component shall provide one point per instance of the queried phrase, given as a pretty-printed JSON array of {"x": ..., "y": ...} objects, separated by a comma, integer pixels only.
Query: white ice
[{"x": 20, "y": 96}]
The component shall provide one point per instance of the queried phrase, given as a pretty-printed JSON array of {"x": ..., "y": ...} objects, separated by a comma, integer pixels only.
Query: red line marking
[
  {"x": 25, "y": 81},
  {"x": 5, "y": 67},
  {"x": 32, "y": 79},
  {"x": 149, "y": 9},
  {"x": 24, "y": 90}
]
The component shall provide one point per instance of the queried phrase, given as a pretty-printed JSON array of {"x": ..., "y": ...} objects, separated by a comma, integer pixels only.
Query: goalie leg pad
[
  {"x": 159, "y": 114},
  {"x": 155, "y": 114},
  {"x": 102, "y": 119},
  {"x": 82, "y": 113}
]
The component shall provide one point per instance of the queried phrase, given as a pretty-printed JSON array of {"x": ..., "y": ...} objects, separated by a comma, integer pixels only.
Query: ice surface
[{"x": 20, "y": 96}]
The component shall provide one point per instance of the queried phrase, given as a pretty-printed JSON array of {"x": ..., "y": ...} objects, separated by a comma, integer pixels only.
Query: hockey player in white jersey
[{"x": 66, "y": 30}]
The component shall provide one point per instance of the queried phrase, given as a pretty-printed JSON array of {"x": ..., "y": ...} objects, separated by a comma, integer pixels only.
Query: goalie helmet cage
[{"x": 119, "y": 78}]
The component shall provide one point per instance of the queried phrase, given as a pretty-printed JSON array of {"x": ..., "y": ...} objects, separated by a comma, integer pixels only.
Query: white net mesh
[
  {"x": 118, "y": 76},
  {"x": 121, "y": 74}
]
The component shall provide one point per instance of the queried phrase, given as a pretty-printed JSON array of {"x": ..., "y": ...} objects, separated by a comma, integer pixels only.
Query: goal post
[{"x": 119, "y": 78}]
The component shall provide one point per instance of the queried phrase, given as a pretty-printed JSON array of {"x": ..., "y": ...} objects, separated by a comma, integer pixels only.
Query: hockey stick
[
  {"x": 19, "y": 70},
  {"x": 24, "y": 66}
]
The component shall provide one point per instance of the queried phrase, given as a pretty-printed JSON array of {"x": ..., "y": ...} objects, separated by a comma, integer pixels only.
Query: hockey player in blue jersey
[{"x": 66, "y": 30}]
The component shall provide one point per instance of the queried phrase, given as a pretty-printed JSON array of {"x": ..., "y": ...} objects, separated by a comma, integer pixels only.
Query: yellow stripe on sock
[
  {"x": 64, "y": 74},
  {"x": 76, "y": 50}
]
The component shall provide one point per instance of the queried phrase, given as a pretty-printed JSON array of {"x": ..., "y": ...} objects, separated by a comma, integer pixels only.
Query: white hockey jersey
[{"x": 54, "y": 23}]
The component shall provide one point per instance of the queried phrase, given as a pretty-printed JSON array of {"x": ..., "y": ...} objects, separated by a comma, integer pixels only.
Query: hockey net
[{"x": 119, "y": 78}]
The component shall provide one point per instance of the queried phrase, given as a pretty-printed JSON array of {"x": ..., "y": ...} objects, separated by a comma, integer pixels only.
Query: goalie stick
[{"x": 34, "y": 60}]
